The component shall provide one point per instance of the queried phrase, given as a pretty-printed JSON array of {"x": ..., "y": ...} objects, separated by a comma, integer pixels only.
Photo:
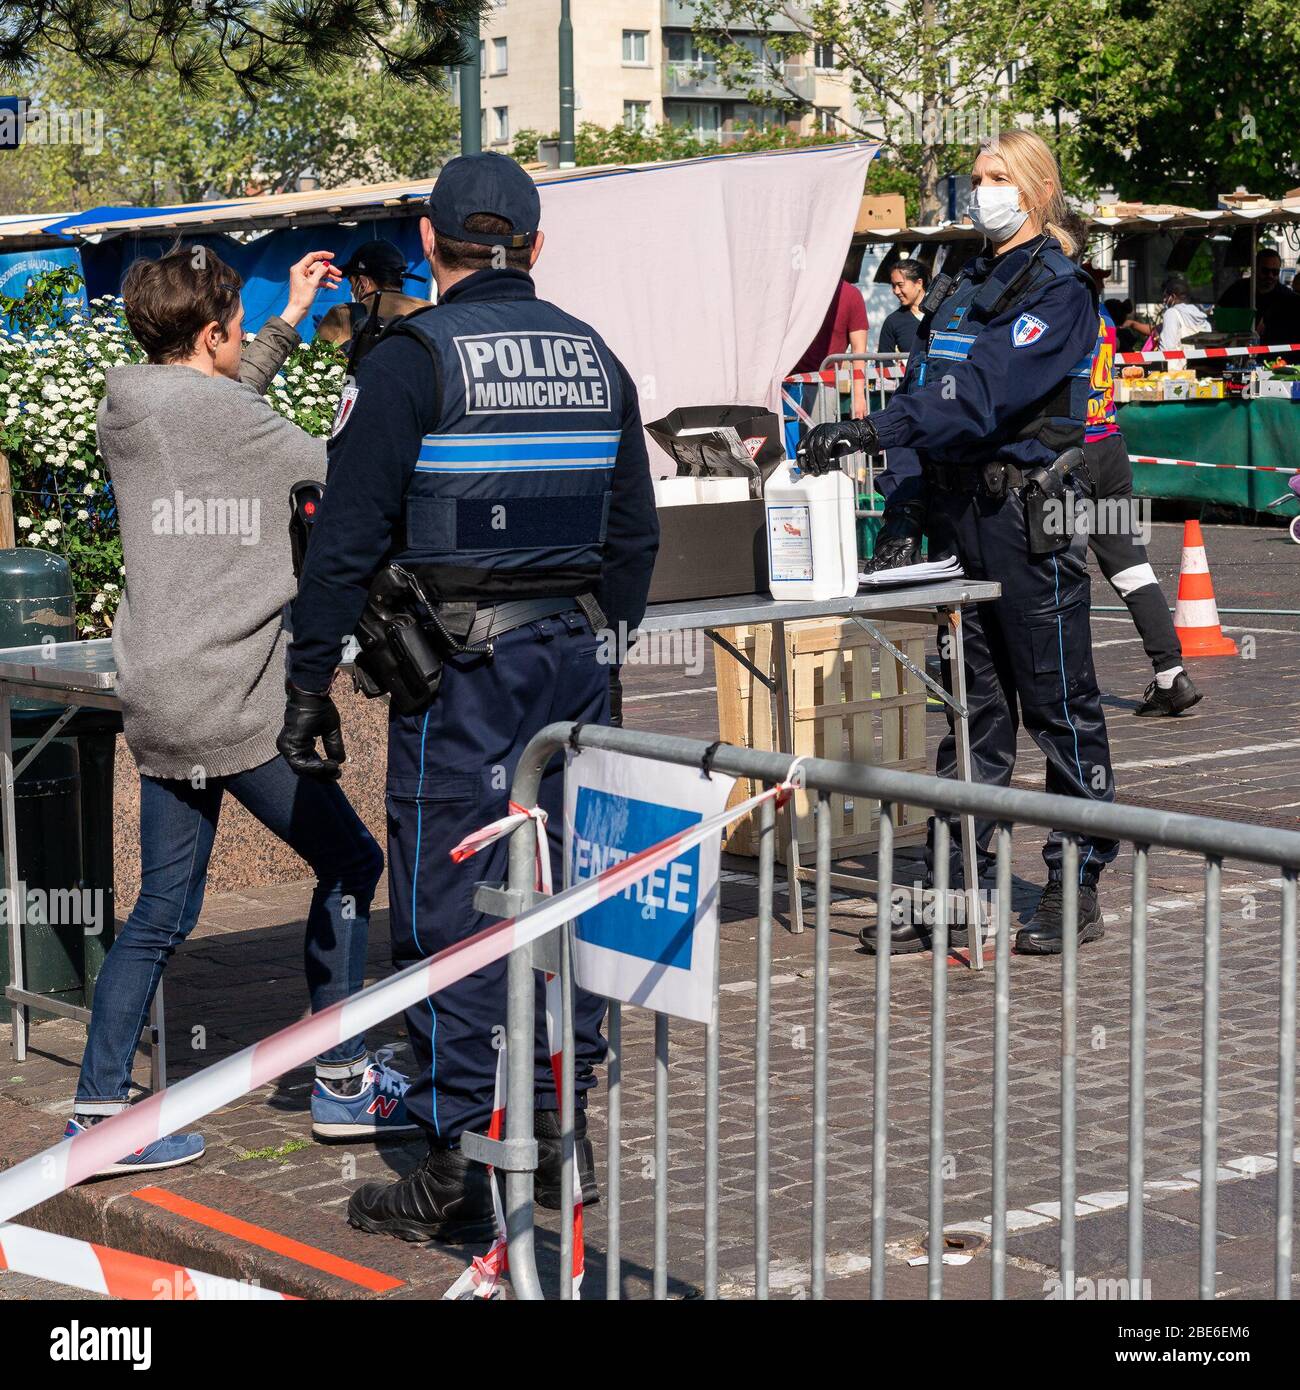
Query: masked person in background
[
  {"x": 986, "y": 432},
  {"x": 375, "y": 273}
]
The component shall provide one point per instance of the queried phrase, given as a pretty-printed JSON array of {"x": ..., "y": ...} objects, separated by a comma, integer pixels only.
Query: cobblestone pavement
[{"x": 1238, "y": 757}]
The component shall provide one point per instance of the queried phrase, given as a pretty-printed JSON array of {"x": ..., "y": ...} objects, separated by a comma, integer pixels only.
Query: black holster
[
  {"x": 1049, "y": 504},
  {"x": 396, "y": 656}
]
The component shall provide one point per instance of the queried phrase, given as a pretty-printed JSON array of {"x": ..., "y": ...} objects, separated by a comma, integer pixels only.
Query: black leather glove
[
  {"x": 825, "y": 445},
  {"x": 899, "y": 539},
  {"x": 615, "y": 698},
  {"x": 307, "y": 717}
]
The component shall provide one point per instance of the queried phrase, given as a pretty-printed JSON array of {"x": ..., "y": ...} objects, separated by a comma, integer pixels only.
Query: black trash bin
[{"x": 63, "y": 801}]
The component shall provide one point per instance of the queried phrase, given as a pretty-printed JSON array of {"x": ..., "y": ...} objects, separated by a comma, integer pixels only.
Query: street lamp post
[
  {"x": 471, "y": 108},
  {"x": 567, "y": 159}
]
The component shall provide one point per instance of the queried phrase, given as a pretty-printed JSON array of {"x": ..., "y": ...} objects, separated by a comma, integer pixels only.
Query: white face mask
[{"x": 995, "y": 210}]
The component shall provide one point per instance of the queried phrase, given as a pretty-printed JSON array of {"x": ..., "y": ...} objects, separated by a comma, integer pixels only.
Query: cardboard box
[
  {"x": 881, "y": 212},
  {"x": 710, "y": 551},
  {"x": 721, "y": 441},
  {"x": 1277, "y": 390}
]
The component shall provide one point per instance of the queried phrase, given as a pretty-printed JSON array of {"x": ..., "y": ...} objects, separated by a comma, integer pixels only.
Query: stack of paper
[{"x": 926, "y": 572}]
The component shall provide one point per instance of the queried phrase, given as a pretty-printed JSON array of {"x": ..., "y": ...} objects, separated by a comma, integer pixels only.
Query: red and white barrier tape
[
  {"x": 482, "y": 1278},
  {"x": 484, "y": 1275},
  {"x": 894, "y": 371},
  {"x": 63, "y": 1165},
  {"x": 796, "y": 406},
  {"x": 1201, "y": 354},
  {"x": 1190, "y": 463},
  {"x": 888, "y": 371},
  {"x": 82, "y": 1264}
]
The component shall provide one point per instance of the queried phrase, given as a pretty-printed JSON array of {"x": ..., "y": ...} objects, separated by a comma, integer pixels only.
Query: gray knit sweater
[{"x": 201, "y": 469}]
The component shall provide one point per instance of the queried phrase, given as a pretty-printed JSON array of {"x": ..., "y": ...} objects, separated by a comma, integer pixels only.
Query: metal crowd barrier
[{"x": 1214, "y": 840}]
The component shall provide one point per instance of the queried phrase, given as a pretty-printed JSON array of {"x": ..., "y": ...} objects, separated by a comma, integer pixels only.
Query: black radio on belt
[{"x": 304, "y": 503}]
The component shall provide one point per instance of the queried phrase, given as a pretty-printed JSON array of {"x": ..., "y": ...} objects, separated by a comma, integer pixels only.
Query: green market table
[{"x": 1262, "y": 433}]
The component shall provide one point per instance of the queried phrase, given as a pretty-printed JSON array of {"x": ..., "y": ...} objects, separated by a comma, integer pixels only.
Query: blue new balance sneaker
[
  {"x": 375, "y": 1112},
  {"x": 169, "y": 1152}
]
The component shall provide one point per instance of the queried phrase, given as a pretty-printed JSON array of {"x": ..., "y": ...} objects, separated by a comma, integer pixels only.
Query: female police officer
[{"x": 982, "y": 432}]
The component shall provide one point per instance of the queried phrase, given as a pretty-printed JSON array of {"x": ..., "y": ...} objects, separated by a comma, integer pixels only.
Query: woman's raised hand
[{"x": 315, "y": 271}]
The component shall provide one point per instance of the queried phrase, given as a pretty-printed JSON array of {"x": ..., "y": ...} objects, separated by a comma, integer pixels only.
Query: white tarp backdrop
[{"x": 708, "y": 278}]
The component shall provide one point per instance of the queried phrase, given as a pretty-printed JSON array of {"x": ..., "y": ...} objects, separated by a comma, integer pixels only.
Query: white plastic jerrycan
[{"x": 812, "y": 548}]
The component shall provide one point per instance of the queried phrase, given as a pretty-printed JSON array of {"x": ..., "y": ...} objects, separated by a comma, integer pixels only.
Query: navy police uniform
[
  {"x": 494, "y": 449},
  {"x": 1000, "y": 373}
]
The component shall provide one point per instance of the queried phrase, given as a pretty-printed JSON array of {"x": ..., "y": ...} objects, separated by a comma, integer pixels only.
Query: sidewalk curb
[{"x": 104, "y": 1211}]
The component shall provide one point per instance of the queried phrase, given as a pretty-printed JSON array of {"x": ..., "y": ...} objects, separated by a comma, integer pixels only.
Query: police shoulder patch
[
  {"x": 1027, "y": 329},
  {"x": 347, "y": 400}
]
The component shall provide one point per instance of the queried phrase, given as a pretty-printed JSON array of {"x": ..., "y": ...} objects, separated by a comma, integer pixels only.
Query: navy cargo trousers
[
  {"x": 450, "y": 770},
  {"x": 1028, "y": 658}
]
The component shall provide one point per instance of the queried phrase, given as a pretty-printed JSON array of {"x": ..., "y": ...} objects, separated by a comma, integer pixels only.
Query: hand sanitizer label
[{"x": 789, "y": 543}]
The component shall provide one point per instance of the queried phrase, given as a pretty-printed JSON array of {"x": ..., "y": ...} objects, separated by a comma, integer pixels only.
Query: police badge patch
[
  {"x": 347, "y": 400},
  {"x": 1026, "y": 330}
]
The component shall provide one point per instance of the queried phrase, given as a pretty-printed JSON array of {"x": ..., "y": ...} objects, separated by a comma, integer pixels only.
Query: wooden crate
[{"x": 851, "y": 701}]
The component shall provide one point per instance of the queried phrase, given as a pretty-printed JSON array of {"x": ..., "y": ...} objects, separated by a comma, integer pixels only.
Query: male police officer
[
  {"x": 494, "y": 450},
  {"x": 375, "y": 273}
]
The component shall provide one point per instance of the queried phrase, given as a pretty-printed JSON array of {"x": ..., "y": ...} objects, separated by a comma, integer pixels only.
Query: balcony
[
  {"x": 701, "y": 81},
  {"x": 680, "y": 14}
]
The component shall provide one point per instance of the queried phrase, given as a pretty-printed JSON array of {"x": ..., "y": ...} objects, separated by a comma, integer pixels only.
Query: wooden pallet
[{"x": 851, "y": 701}]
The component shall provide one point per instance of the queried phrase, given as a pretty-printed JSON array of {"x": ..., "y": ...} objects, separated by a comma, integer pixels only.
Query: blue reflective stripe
[
  {"x": 1065, "y": 694},
  {"x": 415, "y": 934},
  {"x": 524, "y": 466},
  {"x": 951, "y": 345},
  {"x": 495, "y": 453}
]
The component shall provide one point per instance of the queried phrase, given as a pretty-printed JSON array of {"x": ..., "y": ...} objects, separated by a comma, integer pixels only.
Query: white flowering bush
[
  {"x": 51, "y": 381},
  {"x": 308, "y": 387}
]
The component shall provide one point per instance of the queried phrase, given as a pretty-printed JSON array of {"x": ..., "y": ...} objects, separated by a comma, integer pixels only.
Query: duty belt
[
  {"x": 967, "y": 477},
  {"x": 499, "y": 618}
]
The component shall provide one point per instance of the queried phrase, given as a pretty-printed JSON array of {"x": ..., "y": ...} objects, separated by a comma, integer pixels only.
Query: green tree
[
  {"x": 1217, "y": 102},
  {"x": 168, "y": 145},
  {"x": 929, "y": 79},
  {"x": 263, "y": 46}
]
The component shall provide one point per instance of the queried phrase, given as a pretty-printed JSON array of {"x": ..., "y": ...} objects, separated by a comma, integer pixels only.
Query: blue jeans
[{"x": 178, "y": 823}]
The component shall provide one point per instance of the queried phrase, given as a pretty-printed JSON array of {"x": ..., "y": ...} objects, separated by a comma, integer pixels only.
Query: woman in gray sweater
[{"x": 201, "y": 466}]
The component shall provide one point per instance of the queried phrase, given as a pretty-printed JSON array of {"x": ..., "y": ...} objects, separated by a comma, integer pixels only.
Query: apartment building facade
[{"x": 636, "y": 62}]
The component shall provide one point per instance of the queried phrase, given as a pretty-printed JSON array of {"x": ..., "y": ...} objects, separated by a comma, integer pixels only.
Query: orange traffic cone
[{"x": 1196, "y": 615}]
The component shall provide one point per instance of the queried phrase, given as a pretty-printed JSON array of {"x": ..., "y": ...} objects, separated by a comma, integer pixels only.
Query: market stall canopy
[
  {"x": 31, "y": 232},
  {"x": 1120, "y": 219},
  {"x": 316, "y": 207}
]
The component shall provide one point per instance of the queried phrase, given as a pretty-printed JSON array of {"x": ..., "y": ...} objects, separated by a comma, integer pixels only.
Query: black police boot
[
  {"x": 546, "y": 1184},
  {"x": 1180, "y": 696},
  {"x": 447, "y": 1198},
  {"x": 911, "y": 924},
  {"x": 1045, "y": 934}
]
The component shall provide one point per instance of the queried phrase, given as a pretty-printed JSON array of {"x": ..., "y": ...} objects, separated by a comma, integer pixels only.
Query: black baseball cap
[
  {"x": 490, "y": 183},
  {"x": 381, "y": 260}
]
